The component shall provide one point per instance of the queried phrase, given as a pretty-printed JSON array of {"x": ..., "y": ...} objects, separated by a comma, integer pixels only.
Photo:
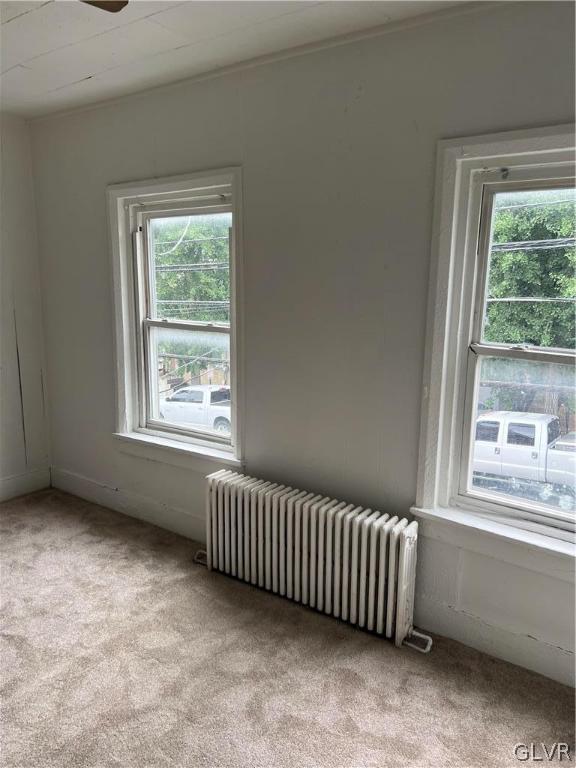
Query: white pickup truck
[
  {"x": 205, "y": 405},
  {"x": 525, "y": 446}
]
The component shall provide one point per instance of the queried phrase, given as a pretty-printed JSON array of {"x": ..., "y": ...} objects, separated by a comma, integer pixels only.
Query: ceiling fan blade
[{"x": 107, "y": 5}]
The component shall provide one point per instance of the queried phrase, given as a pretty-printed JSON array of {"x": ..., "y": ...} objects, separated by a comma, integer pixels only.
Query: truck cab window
[
  {"x": 487, "y": 431},
  {"x": 553, "y": 431},
  {"x": 521, "y": 434},
  {"x": 194, "y": 396},
  {"x": 220, "y": 396}
]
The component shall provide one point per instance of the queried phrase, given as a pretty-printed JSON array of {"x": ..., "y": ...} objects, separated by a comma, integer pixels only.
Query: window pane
[
  {"x": 190, "y": 266},
  {"x": 190, "y": 367},
  {"x": 521, "y": 434},
  {"x": 221, "y": 395},
  {"x": 553, "y": 431},
  {"x": 534, "y": 405},
  {"x": 531, "y": 289},
  {"x": 487, "y": 431}
]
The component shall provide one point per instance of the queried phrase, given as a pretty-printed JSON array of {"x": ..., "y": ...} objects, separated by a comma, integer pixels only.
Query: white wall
[
  {"x": 24, "y": 462},
  {"x": 338, "y": 152}
]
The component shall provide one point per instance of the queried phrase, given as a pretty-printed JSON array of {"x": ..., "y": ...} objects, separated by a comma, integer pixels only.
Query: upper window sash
[
  {"x": 493, "y": 182},
  {"x": 524, "y": 352},
  {"x": 145, "y": 267}
]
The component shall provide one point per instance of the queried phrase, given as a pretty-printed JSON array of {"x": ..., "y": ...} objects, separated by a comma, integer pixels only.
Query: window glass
[
  {"x": 190, "y": 357},
  {"x": 190, "y": 267},
  {"x": 531, "y": 287},
  {"x": 553, "y": 430},
  {"x": 521, "y": 434},
  {"x": 536, "y": 400},
  {"x": 187, "y": 396},
  {"x": 487, "y": 431},
  {"x": 220, "y": 396}
]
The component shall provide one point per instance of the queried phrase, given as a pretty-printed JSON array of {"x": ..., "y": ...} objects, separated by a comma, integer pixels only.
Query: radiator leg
[
  {"x": 200, "y": 557},
  {"x": 424, "y": 643}
]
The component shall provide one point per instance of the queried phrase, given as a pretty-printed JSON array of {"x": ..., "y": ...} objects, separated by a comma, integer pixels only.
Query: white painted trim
[
  {"x": 521, "y": 649},
  {"x": 121, "y": 198},
  {"x": 505, "y": 543},
  {"x": 448, "y": 315},
  {"x": 172, "y": 187},
  {"x": 28, "y": 482},
  {"x": 179, "y": 454},
  {"x": 176, "y": 519}
]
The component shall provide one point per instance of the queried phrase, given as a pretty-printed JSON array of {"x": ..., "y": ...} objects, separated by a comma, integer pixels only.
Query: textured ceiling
[{"x": 62, "y": 54}]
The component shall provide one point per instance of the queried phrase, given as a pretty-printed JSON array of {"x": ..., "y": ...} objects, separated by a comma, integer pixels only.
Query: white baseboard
[
  {"x": 18, "y": 485},
  {"x": 522, "y": 650},
  {"x": 174, "y": 519},
  {"x": 432, "y": 615}
]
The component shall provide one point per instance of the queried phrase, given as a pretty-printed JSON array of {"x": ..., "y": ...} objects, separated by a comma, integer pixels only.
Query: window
[
  {"x": 186, "y": 396},
  {"x": 221, "y": 395},
  {"x": 521, "y": 434},
  {"x": 501, "y": 388},
  {"x": 176, "y": 284},
  {"x": 524, "y": 313},
  {"x": 487, "y": 431},
  {"x": 553, "y": 431}
]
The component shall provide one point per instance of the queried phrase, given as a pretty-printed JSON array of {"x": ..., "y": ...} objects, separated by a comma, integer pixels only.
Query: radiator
[{"x": 355, "y": 564}]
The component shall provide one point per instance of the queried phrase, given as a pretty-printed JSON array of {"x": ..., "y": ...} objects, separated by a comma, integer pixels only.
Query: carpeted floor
[{"x": 119, "y": 651}]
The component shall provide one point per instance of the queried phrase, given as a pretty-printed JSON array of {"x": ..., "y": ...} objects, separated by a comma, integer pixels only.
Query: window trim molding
[
  {"x": 172, "y": 192},
  {"x": 444, "y": 365}
]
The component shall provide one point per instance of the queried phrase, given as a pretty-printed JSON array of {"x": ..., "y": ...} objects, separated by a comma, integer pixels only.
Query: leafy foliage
[
  {"x": 192, "y": 269},
  {"x": 532, "y": 272}
]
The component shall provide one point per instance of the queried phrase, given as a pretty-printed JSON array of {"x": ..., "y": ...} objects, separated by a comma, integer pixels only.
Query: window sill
[
  {"x": 501, "y": 541},
  {"x": 175, "y": 452}
]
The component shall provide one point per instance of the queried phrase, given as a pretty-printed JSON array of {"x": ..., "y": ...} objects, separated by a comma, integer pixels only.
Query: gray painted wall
[
  {"x": 23, "y": 445},
  {"x": 338, "y": 153}
]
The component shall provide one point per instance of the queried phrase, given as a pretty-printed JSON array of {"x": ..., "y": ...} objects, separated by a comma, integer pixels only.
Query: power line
[
  {"x": 534, "y": 245},
  {"x": 194, "y": 302},
  {"x": 191, "y": 240},
  {"x": 205, "y": 267},
  {"x": 533, "y": 299},
  {"x": 171, "y": 250},
  {"x": 533, "y": 205}
]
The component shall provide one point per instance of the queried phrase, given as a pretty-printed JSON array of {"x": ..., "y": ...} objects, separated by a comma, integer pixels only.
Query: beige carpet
[{"x": 119, "y": 651}]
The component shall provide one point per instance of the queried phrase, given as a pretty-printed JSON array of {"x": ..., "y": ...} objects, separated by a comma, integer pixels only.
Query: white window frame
[
  {"x": 129, "y": 207},
  {"x": 463, "y": 167}
]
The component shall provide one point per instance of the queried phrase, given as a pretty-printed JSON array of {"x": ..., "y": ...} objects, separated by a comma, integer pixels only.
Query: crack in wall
[
  {"x": 498, "y": 628},
  {"x": 20, "y": 388}
]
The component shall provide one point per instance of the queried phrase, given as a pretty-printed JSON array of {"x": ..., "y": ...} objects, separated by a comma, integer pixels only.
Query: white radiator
[{"x": 355, "y": 564}]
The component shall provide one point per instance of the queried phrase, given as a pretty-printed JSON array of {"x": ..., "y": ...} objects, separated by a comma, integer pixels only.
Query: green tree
[
  {"x": 192, "y": 267},
  {"x": 531, "y": 272}
]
